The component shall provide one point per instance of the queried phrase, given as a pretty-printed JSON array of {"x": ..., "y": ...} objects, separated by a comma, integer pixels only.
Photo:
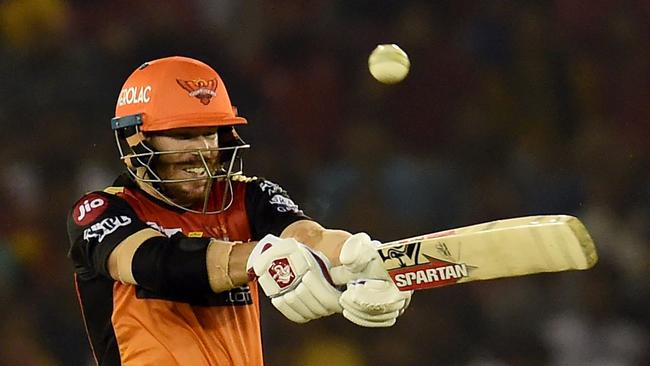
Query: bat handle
[{"x": 341, "y": 275}]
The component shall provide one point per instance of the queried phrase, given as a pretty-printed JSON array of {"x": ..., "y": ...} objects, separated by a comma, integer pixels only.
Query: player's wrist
[
  {"x": 218, "y": 262},
  {"x": 237, "y": 262},
  {"x": 226, "y": 263}
]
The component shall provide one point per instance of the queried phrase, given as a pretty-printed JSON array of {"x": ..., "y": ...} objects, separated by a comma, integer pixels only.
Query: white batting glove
[
  {"x": 373, "y": 303},
  {"x": 295, "y": 278},
  {"x": 360, "y": 259},
  {"x": 371, "y": 298}
]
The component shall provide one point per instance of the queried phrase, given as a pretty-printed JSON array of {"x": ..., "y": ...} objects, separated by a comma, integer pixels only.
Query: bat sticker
[
  {"x": 406, "y": 255},
  {"x": 436, "y": 273}
]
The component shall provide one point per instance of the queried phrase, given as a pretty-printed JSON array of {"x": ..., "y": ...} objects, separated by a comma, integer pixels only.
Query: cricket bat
[{"x": 502, "y": 248}]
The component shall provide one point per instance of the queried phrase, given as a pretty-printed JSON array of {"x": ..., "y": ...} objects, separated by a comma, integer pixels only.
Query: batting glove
[
  {"x": 373, "y": 303},
  {"x": 371, "y": 298},
  {"x": 295, "y": 278}
]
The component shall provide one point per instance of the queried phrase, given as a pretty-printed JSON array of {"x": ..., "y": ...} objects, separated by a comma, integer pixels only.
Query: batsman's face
[{"x": 188, "y": 163}]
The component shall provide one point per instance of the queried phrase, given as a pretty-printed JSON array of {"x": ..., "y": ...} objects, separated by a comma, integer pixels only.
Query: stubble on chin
[{"x": 185, "y": 194}]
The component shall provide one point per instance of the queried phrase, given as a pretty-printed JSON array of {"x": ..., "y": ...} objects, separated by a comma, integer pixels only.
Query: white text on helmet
[{"x": 133, "y": 95}]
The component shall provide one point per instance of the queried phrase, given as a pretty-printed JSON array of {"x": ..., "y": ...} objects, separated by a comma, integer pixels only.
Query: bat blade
[{"x": 502, "y": 248}]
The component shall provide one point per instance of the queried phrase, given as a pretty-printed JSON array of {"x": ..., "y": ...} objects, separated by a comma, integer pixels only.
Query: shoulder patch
[
  {"x": 114, "y": 190},
  {"x": 270, "y": 188},
  {"x": 89, "y": 208},
  {"x": 278, "y": 197},
  {"x": 242, "y": 178}
]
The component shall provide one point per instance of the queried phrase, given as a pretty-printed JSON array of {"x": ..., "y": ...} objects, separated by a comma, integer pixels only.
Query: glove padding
[
  {"x": 360, "y": 259},
  {"x": 371, "y": 298},
  {"x": 295, "y": 278},
  {"x": 373, "y": 303}
]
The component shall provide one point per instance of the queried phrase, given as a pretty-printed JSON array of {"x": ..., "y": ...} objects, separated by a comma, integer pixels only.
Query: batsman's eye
[{"x": 184, "y": 137}]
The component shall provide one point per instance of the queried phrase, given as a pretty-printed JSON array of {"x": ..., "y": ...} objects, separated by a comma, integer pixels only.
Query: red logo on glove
[{"x": 280, "y": 270}]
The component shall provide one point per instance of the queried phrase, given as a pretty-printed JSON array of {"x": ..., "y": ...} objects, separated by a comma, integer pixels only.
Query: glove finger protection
[
  {"x": 280, "y": 303},
  {"x": 373, "y": 321},
  {"x": 359, "y": 256},
  {"x": 407, "y": 295},
  {"x": 373, "y": 303},
  {"x": 295, "y": 301},
  {"x": 295, "y": 277}
]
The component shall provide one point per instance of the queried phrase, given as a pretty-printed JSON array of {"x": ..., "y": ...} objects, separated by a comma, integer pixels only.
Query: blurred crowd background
[{"x": 511, "y": 108}]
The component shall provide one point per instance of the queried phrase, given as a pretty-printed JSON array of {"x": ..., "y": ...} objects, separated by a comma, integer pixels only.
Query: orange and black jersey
[{"x": 172, "y": 317}]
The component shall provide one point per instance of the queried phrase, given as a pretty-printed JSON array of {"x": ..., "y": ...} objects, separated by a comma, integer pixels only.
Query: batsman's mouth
[{"x": 196, "y": 171}]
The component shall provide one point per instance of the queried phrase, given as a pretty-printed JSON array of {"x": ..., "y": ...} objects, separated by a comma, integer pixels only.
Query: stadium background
[{"x": 511, "y": 108}]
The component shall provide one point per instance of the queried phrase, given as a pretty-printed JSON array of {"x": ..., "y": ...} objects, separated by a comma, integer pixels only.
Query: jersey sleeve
[
  {"x": 270, "y": 209},
  {"x": 97, "y": 223}
]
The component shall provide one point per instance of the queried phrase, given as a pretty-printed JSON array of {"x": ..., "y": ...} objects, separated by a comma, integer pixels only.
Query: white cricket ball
[{"x": 388, "y": 63}]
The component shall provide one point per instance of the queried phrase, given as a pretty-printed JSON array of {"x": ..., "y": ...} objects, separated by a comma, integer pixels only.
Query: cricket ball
[{"x": 388, "y": 63}]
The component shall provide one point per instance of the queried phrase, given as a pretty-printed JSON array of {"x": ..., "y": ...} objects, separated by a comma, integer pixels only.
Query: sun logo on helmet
[{"x": 204, "y": 90}]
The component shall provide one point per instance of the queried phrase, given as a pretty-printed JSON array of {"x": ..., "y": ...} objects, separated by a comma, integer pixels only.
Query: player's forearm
[
  {"x": 225, "y": 262},
  {"x": 312, "y": 234},
  {"x": 167, "y": 265}
]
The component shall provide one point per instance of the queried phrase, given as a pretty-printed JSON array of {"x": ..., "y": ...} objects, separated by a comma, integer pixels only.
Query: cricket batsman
[{"x": 168, "y": 260}]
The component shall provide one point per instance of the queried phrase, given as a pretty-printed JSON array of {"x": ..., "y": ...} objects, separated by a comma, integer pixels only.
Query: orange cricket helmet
[
  {"x": 175, "y": 92},
  {"x": 169, "y": 93}
]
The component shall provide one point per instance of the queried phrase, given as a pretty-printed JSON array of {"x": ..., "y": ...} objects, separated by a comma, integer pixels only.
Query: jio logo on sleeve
[{"x": 89, "y": 209}]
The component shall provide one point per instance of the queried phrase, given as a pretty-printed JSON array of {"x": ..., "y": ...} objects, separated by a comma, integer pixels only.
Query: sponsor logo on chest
[
  {"x": 164, "y": 230},
  {"x": 169, "y": 232}
]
